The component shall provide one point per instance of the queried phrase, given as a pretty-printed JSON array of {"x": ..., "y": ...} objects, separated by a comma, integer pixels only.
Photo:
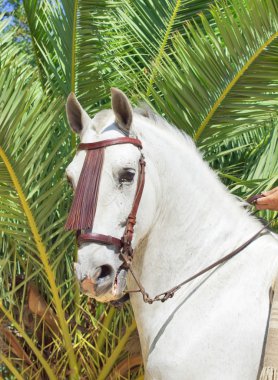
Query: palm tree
[{"x": 213, "y": 74}]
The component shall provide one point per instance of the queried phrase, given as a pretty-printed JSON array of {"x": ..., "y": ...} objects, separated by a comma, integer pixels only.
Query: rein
[
  {"x": 83, "y": 209},
  {"x": 162, "y": 297}
]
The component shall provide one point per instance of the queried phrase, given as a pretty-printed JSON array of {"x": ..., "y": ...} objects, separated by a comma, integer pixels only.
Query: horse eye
[{"x": 126, "y": 176}]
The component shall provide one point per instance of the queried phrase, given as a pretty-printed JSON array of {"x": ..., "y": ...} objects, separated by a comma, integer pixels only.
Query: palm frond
[
  {"x": 69, "y": 40},
  {"x": 52, "y": 27},
  {"x": 26, "y": 119},
  {"x": 221, "y": 80},
  {"x": 93, "y": 54},
  {"x": 145, "y": 29},
  {"x": 34, "y": 148}
]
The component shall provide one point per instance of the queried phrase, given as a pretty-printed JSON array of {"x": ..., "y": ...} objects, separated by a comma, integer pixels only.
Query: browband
[{"x": 105, "y": 143}]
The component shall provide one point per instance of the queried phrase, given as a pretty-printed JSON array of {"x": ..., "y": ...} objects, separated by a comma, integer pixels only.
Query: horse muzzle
[{"x": 105, "y": 285}]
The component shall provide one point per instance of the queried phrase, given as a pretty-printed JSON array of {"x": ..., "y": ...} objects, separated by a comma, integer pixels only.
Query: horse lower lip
[
  {"x": 118, "y": 285},
  {"x": 116, "y": 278}
]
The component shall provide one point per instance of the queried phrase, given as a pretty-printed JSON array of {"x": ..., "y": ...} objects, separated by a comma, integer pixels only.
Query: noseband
[{"x": 83, "y": 209}]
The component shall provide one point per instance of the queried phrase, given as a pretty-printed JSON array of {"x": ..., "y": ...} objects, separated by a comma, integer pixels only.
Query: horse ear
[
  {"x": 78, "y": 118},
  {"x": 122, "y": 110}
]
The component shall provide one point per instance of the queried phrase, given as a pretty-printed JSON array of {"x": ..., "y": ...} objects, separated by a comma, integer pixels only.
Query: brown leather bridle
[{"x": 82, "y": 212}]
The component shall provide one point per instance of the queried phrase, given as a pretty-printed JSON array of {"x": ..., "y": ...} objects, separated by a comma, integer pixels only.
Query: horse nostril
[
  {"x": 99, "y": 282},
  {"x": 105, "y": 271}
]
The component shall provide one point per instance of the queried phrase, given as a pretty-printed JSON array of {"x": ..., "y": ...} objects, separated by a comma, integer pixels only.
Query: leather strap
[
  {"x": 83, "y": 208},
  {"x": 124, "y": 244},
  {"x": 131, "y": 220},
  {"x": 126, "y": 240},
  {"x": 105, "y": 143},
  {"x": 253, "y": 199},
  {"x": 99, "y": 238},
  {"x": 162, "y": 297}
]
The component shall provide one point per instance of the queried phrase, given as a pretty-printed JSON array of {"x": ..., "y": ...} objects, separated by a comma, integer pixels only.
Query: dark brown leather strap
[
  {"x": 162, "y": 297},
  {"x": 253, "y": 199},
  {"x": 131, "y": 220},
  {"x": 99, "y": 238},
  {"x": 105, "y": 143},
  {"x": 125, "y": 242},
  {"x": 83, "y": 208}
]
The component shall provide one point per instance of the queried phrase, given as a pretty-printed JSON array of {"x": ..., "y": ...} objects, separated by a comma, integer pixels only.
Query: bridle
[{"x": 82, "y": 213}]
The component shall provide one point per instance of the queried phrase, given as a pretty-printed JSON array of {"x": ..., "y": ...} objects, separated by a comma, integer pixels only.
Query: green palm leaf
[
  {"x": 93, "y": 53},
  {"x": 24, "y": 215},
  {"x": 146, "y": 29},
  {"x": 222, "y": 79},
  {"x": 69, "y": 39},
  {"x": 34, "y": 149},
  {"x": 52, "y": 29}
]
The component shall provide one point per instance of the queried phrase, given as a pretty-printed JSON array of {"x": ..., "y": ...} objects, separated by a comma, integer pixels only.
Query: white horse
[{"x": 214, "y": 327}]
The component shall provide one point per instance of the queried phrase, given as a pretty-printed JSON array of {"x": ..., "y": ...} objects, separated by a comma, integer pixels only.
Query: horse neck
[{"x": 197, "y": 222}]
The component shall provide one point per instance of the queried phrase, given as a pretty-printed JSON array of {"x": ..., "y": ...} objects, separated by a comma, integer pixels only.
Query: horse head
[{"x": 106, "y": 175}]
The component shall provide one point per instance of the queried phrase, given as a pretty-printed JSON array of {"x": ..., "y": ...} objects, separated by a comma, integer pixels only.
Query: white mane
[{"x": 160, "y": 122}]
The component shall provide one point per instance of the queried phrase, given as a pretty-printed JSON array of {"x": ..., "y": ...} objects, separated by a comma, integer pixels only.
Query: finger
[
  {"x": 262, "y": 201},
  {"x": 267, "y": 203},
  {"x": 262, "y": 207},
  {"x": 270, "y": 191},
  {"x": 266, "y": 207}
]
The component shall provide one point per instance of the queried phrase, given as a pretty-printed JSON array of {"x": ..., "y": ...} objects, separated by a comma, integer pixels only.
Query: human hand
[{"x": 269, "y": 201}]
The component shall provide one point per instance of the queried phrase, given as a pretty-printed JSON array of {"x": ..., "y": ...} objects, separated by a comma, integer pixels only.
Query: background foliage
[{"x": 209, "y": 67}]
